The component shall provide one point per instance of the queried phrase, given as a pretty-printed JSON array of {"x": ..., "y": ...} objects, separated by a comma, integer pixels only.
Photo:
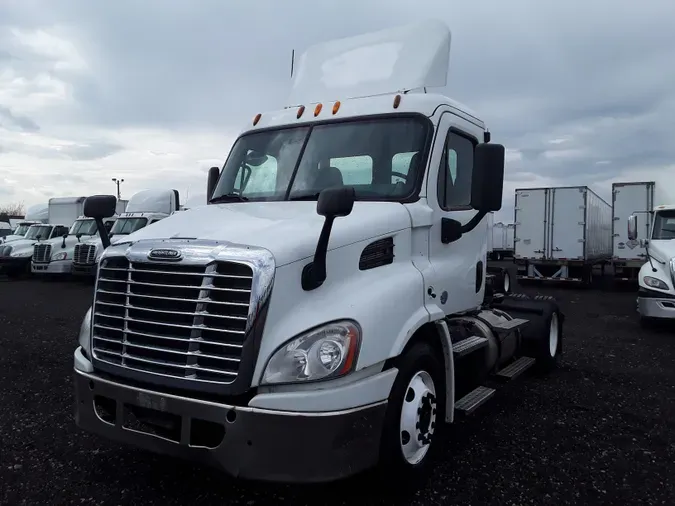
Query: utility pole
[{"x": 118, "y": 182}]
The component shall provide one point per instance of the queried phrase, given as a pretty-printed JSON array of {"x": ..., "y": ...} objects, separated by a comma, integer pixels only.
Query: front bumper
[
  {"x": 53, "y": 267},
  {"x": 653, "y": 307},
  {"x": 11, "y": 264},
  {"x": 84, "y": 269},
  {"x": 246, "y": 442}
]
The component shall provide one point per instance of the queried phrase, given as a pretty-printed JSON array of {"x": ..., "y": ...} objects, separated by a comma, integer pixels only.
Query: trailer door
[
  {"x": 568, "y": 211},
  {"x": 628, "y": 198},
  {"x": 530, "y": 223}
]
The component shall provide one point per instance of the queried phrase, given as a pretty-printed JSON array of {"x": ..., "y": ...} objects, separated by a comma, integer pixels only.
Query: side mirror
[
  {"x": 332, "y": 203},
  {"x": 100, "y": 206},
  {"x": 487, "y": 180},
  {"x": 632, "y": 227},
  {"x": 38, "y": 237},
  {"x": 336, "y": 202},
  {"x": 214, "y": 174},
  {"x": 65, "y": 236}
]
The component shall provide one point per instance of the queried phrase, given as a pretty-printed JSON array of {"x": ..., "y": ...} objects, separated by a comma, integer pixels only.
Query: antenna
[{"x": 292, "y": 60}]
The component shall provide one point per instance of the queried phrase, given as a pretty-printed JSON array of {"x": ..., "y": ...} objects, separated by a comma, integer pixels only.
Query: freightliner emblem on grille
[{"x": 164, "y": 254}]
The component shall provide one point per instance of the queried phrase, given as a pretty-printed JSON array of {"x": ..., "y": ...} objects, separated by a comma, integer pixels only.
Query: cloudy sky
[{"x": 155, "y": 91}]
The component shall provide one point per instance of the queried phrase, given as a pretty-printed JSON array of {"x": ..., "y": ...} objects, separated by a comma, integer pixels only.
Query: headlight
[
  {"x": 326, "y": 352},
  {"x": 5, "y": 251},
  {"x": 655, "y": 283},
  {"x": 85, "y": 331},
  {"x": 60, "y": 256},
  {"x": 21, "y": 253}
]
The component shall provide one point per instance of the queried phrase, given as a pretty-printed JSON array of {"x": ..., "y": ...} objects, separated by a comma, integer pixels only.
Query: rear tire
[
  {"x": 549, "y": 346},
  {"x": 414, "y": 418}
]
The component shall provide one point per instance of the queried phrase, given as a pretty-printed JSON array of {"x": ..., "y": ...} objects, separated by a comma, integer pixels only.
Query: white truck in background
[
  {"x": 56, "y": 255},
  {"x": 561, "y": 233},
  {"x": 35, "y": 215},
  {"x": 297, "y": 306},
  {"x": 144, "y": 208},
  {"x": 628, "y": 255},
  {"x": 502, "y": 240},
  {"x": 15, "y": 256},
  {"x": 656, "y": 278}
]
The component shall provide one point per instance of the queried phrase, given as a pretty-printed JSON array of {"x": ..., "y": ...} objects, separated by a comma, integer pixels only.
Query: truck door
[
  {"x": 456, "y": 279},
  {"x": 567, "y": 223}
]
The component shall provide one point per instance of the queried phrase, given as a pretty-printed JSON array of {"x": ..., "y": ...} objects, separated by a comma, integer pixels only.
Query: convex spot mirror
[
  {"x": 632, "y": 227},
  {"x": 487, "y": 180},
  {"x": 100, "y": 206}
]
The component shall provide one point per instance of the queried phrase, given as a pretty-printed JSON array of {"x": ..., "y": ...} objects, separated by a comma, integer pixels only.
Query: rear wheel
[
  {"x": 415, "y": 413},
  {"x": 507, "y": 282},
  {"x": 549, "y": 346}
]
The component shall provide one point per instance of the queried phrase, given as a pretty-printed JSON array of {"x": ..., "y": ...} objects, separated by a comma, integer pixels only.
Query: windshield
[
  {"x": 375, "y": 156},
  {"x": 84, "y": 227},
  {"x": 42, "y": 230},
  {"x": 664, "y": 225},
  {"x": 124, "y": 226},
  {"x": 21, "y": 230}
]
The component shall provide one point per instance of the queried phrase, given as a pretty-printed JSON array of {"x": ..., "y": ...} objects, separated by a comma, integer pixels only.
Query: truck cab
[
  {"x": 656, "y": 278},
  {"x": 20, "y": 231},
  {"x": 334, "y": 290},
  {"x": 55, "y": 256},
  {"x": 143, "y": 209},
  {"x": 15, "y": 256}
]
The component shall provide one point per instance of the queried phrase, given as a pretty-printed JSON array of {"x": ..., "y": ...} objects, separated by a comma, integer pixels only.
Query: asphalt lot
[{"x": 600, "y": 430}]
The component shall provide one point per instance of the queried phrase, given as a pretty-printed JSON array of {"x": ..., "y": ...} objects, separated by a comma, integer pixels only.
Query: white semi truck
[
  {"x": 34, "y": 216},
  {"x": 561, "y": 233},
  {"x": 628, "y": 256},
  {"x": 300, "y": 327},
  {"x": 55, "y": 257},
  {"x": 656, "y": 279},
  {"x": 144, "y": 208},
  {"x": 15, "y": 256}
]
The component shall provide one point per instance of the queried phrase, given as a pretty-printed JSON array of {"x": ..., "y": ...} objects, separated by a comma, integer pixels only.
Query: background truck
[
  {"x": 656, "y": 279},
  {"x": 144, "y": 208},
  {"x": 561, "y": 233},
  {"x": 34, "y": 215},
  {"x": 502, "y": 240},
  {"x": 15, "y": 256},
  {"x": 628, "y": 256},
  {"x": 357, "y": 318}
]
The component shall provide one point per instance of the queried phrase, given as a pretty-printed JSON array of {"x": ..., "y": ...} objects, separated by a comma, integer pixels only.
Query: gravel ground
[{"x": 600, "y": 430}]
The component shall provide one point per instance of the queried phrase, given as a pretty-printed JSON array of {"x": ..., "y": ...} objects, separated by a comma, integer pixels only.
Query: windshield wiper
[
  {"x": 305, "y": 196},
  {"x": 228, "y": 197}
]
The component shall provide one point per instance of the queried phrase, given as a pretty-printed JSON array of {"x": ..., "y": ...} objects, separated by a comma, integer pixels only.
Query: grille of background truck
[
  {"x": 84, "y": 254},
  {"x": 42, "y": 253},
  {"x": 174, "y": 320}
]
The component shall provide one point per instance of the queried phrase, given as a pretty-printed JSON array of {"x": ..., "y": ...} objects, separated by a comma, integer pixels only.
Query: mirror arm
[
  {"x": 105, "y": 238},
  {"x": 473, "y": 222},
  {"x": 314, "y": 273}
]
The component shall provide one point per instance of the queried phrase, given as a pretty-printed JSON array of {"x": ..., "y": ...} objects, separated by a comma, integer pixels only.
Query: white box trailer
[
  {"x": 502, "y": 240},
  {"x": 561, "y": 233},
  {"x": 630, "y": 198}
]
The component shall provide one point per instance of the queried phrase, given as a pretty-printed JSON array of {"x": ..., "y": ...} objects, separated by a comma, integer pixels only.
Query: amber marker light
[
  {"x": 336, "y": 107},
  {"x": 317, "y": 109},
  {"x": 256, "y": 119}
]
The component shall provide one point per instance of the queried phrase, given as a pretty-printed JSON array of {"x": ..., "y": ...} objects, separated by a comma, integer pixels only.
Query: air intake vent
[{"x": 377, "y": 254}]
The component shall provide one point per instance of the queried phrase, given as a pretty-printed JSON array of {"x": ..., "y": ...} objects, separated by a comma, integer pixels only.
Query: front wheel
[
  {"x": 415, "y": 413},
  {"x": 550, "y": 343}
]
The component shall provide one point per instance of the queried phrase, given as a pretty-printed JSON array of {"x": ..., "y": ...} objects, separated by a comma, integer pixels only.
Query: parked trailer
[
  {"x": 501, "y": 240},
  {"x": 561, "y": 233},
  {"x": 627, "y": 199}
]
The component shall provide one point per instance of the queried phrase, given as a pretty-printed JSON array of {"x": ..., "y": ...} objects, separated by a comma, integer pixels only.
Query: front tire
[
  {"x": 549, "y": 348},
  {"x": 415, "y": 415}
]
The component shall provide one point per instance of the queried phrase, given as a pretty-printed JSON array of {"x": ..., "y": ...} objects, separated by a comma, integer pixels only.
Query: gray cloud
[
  {"x": 583, "y": 91},
  {"x": 10, "y": 120}
]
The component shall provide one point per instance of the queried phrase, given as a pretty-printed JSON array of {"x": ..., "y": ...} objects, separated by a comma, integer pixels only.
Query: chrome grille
[
  {"x": 42, "y": 253},
  {"x": 184, "y": 321},
  {"x": 84, "y": 254}
]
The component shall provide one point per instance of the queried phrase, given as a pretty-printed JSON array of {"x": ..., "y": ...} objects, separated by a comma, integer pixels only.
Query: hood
[
  {"x": 289, "y": 230},
  {"x": 661, "y": 249},
  {"x": 22, "y": 248},
  {"x": 12, "y": 238}
]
